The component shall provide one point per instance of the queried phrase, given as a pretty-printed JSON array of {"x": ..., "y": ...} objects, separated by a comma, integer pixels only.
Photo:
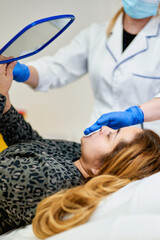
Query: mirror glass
[{"x": 35, "y": 37}]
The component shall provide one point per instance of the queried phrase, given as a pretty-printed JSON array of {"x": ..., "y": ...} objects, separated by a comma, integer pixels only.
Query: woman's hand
[{"x": 6, "y": 76}]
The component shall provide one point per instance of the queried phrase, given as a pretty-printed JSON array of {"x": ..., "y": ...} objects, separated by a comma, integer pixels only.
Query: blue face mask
[{"x": 141, "y": 8}]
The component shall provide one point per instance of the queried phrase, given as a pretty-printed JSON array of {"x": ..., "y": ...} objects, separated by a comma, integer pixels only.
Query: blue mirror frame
[{"x": 71, "y": 17}]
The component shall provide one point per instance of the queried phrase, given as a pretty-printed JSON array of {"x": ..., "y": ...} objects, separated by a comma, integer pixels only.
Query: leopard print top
[{"x": 31, "y": 168}]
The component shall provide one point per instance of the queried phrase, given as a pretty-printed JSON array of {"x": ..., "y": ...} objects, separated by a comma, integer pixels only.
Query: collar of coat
[{"x": 139, "y": 45}]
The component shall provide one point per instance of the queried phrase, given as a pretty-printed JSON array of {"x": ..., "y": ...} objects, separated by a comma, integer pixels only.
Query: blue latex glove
[
  {"x": 131, "y": 116},
  {"x": 21, "y": 72}
]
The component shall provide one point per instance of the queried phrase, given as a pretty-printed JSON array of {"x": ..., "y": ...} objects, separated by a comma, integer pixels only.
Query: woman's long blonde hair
[
  {"x": 127, "y": 162},
  {"x": 113, "y": 21}
]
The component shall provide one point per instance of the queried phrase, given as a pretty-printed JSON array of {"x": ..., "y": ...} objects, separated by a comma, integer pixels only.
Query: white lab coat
[{"x": 119, "y": 80}]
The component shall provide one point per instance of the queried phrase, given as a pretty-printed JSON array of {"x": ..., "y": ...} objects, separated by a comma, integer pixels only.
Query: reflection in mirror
[{"x": 35, "y": 37}]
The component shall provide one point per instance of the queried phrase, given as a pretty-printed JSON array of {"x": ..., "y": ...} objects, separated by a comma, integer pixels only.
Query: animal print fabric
[{"x": 31, "y": 168}]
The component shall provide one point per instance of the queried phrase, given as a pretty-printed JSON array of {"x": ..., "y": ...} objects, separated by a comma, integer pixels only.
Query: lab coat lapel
[
  {"x": 140, "y": 44},
  {"x": 114, "y": 42}
]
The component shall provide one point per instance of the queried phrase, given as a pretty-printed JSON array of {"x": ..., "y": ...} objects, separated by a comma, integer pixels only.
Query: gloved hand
[
  {"x": 131, "y": 116},
  {"x": 21, "y": 72}
]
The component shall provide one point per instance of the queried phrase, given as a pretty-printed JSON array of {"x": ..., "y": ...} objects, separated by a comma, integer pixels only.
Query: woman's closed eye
[
  {"x": 109, "y": 134},
  {"x": 118, "y": 131},
  {"x": 114, "y": 134}
]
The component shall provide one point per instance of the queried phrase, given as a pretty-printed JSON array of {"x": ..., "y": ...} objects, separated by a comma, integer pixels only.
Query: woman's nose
[{"x": 107, "y": 129}]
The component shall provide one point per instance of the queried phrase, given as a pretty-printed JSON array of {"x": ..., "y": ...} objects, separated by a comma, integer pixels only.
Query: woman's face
[{"x": 97, "y": 145}]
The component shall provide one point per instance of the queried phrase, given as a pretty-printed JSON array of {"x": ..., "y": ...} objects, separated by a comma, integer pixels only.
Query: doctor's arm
[
  {"x": 146, "y": 112},
  {"x": 151, "y": 110},
  {"x": 33, "y": 79},
  {"x": 26, "y": 74},
  {"x": 66, "y": 66}
]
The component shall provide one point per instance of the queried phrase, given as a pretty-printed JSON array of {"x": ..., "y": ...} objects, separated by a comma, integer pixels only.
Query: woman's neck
[
  {"x": 134, "y": 26},
  {"x": 81, "y": 169}
]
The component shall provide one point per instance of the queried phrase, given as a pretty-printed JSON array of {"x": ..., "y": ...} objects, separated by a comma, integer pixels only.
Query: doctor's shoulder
[
  {"x": 97, "y": 30},
  {"x": 93, "y": 33}
]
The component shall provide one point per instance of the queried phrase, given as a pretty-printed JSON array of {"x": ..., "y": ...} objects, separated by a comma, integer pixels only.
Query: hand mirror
[{"x": 35, "y": 37}]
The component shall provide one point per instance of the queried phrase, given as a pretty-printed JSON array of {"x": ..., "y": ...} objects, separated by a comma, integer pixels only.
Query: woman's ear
[{"x": 95, "y": 171}]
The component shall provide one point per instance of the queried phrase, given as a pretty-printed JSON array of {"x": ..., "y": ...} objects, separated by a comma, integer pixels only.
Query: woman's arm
[
  {"x": 6, "y": 82},
  {"x": 13, "y": 127}
]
